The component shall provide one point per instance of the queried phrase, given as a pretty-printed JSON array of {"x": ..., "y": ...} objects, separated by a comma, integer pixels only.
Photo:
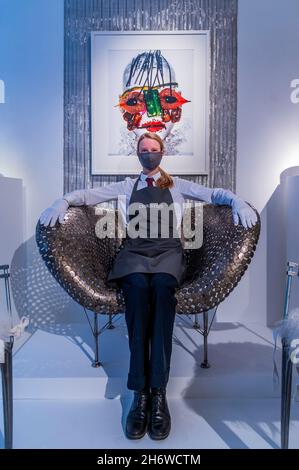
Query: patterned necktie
[{"x": 149, "y": 180}]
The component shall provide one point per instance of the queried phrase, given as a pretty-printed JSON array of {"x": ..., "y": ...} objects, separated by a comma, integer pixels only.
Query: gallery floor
[{"x": 62, "y": 402}]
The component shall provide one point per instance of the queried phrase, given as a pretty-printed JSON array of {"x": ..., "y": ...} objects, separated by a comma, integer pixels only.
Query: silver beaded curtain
[{"x": 83, "y": 16}]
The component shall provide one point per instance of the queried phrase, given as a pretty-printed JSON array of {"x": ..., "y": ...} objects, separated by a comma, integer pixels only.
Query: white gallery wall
[
  {"x": 31, "y": 120},
  {"x": 31, "y": 132},
  {"x": 268, "y": 143},
  {"x": 31, "y": 126}
]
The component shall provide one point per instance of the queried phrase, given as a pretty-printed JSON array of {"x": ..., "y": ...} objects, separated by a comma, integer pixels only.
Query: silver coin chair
[{"x": 80, "y": 261}]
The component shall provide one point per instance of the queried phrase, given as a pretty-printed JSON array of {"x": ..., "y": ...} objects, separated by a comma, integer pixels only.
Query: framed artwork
[{"x": 154, "y": 81}]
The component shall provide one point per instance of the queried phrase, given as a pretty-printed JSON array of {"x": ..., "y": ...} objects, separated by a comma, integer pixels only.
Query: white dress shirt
[{"x": 182, "y": 189}]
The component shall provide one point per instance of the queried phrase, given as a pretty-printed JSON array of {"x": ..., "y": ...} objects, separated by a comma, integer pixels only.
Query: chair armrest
[
  {"x": 78, "y": 259},
  {"x": 215, "y": 269}
]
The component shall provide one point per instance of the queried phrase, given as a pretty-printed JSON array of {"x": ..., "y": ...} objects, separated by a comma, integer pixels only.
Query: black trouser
[{"x": 150, "y": 312}]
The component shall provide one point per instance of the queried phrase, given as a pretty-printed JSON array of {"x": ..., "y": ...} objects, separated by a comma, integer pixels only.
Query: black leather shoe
[
  {"x": 137, "y": 419},
  {"x": 159, "y": 421}
]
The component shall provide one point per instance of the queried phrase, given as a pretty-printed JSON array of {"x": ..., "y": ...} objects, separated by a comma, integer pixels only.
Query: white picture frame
[{"x": 113, "y": 146}]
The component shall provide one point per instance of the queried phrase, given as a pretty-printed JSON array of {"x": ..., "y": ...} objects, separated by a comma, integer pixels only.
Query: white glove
[
  {"x": 54, "y": 212},
  {"x": 242, "y": 210}
]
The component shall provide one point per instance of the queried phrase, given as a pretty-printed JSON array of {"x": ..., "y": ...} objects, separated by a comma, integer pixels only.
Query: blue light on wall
[{"x": 2, "y": 92}]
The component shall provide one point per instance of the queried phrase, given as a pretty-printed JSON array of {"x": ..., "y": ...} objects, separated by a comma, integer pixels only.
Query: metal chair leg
[
  {"x": 110, "y": 324},
  {"x": 96, "y": 331},
  {"x": 286, "y": 393},
  {"x": 205, "y": 364},
  {"x": 7, "y": 392},
  {"x": 196, "y": 324},
  {"x": 96, "y": 334}
]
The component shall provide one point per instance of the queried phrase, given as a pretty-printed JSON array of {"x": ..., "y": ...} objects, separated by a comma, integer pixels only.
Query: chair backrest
[{"x": 80, "y": 260}]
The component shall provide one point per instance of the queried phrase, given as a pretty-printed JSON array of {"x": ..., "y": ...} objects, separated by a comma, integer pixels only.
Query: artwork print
[{"x": 159, "y": 89}]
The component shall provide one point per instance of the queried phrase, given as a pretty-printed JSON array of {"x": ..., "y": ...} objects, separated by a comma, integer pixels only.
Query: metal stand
[
  {"x": 6, "y": 369},
  {"x": 6, "y": 373},
  {"x": 286, "y": 392},
  {"x": 286, "y": 368}
]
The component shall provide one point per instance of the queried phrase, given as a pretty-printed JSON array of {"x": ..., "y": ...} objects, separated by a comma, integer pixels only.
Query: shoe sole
[
  {"x": 136, "y": 437},
  {"x": 158, "y": 438}
]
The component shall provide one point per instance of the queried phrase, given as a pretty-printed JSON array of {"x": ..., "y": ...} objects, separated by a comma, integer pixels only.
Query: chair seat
[{"x": 80, "y": 260}]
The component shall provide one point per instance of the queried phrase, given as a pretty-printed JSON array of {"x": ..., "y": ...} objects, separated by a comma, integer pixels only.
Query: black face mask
[{"x": 150, "y": 160}]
